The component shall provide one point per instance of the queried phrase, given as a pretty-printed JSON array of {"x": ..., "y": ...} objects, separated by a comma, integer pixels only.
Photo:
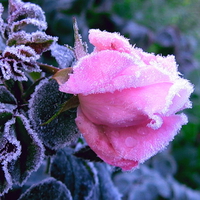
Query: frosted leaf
[
  {"x": 5, "y": 115},
  {"x": 30, "y": 66},
  {"x": 7, "y": 100},
  {"x": 80, "y": 48},
  {"x": 10, "y": 147},
  {"x": 5, "y": 181},
  {"x": 21, "y": 52},
  {"x": 21, "y": 14},
  {"x": 63, "y": 55},
  {"x": 39, "y": 41},
  {"x": 39, "y": 175},
  {"x": 144, "y": 183},
  {"x": 9, "y": 150},
  {"x": 180, "y": 191},
  {"x": 2, "y": 27},
  {"x": 1, "y": 12},
  {"x": 32, "y": 151},
  {"x": 79, "y": 177},
  {"x": 49, "y": 189},
  {"x": 148, "y": 183},
  {"x": 106, "y": 186},
  {"x": 16, "y": 60},
  {"x": 44, "y": 103},
  {"x": 10, "y": 69},
  {"x": 192, "y": 194},
  {"x": 17, "y": 26}
]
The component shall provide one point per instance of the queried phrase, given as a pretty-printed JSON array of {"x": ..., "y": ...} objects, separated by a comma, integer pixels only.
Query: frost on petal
[
  {"x": 94, "y": 71},
  {"x": 127, "y": 146},
  {"x": 178, "y": 97},
  {"x": 107, "y": 71},
  {"x": 103, "y": 40},
  {"x": 168, "y": 64},
  {"x": 128, "y": 107}
]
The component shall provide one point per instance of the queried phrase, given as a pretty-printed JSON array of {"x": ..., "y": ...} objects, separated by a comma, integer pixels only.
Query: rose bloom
[{"x": 128, "y": 100}]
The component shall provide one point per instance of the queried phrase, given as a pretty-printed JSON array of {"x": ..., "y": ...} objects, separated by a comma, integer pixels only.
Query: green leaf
[
  {"x": 46, "y": 102},
  {"x": 32, "y": 152},
  {"x": 5, "y": 181},
  {"x": 7, "y": 100},
  {"x": 77, "y": 174},
  {"x": 5, "y": 115},
  {"x": 49, "y": 189}
]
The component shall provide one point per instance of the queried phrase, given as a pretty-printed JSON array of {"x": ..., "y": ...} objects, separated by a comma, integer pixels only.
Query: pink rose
[{"x": 128, "y": 100}]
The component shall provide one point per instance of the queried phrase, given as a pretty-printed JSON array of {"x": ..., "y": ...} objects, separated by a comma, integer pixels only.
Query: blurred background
[{"x": 163, "y": 27}]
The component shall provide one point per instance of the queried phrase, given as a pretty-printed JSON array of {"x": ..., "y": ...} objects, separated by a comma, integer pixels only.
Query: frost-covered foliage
[
  {"x": 42, "y": 155},
  {"x": 154, "y": 181},
  {"x": 85, "y": 180},
  {"x": 63, "y": 55},
  {"x": 25, "y": 40},
  {"x": 21, "y": 151},
  {"x": 23, "y": 140},
  {"x": 44, "y": 103},
  {"x": 49, "y": 189}
]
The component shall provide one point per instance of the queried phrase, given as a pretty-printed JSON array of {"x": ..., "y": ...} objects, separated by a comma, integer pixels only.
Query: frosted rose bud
[{"x": 128, "y": 100}]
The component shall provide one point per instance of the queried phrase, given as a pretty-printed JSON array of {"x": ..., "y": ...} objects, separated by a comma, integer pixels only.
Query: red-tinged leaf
[
  {"x": 62, "y": 75},
  {"x": 80, "y": 48}
]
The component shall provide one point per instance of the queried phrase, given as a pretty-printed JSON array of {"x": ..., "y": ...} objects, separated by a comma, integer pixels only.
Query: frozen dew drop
[
  {"x": 130, "y": 142},
  {"x": 142, "y": 131}
]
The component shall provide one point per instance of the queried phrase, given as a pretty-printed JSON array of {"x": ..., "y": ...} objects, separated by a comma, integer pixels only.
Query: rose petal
[
  {"x": 103, "y": 40},
  {"x": 100, "y": 143},
  {"x": 125, "y": 108},
  {"x": 95, "y": 74},
  {"x": 178, "y": 97},
  {"x": 127, "y": 146}
]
